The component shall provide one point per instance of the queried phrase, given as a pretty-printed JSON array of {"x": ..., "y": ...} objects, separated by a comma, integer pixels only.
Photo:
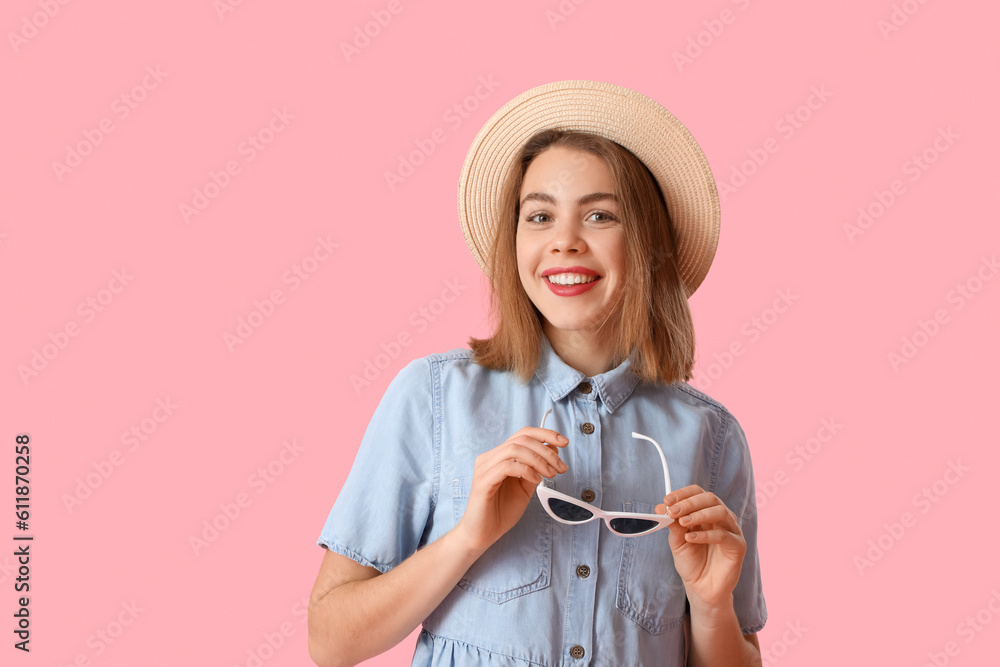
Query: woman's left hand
[{"x": 706, "y": 542}]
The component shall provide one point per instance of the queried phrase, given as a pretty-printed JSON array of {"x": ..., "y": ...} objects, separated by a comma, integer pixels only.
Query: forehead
[{"x": 560, "y": 169}]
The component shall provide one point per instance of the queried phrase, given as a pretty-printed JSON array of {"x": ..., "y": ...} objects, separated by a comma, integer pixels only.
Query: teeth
[{"x": 570, "y": 278}]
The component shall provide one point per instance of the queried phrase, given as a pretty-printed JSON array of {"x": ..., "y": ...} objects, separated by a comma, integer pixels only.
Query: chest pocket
[
  {"x": 650, "y": 592},
  {"x": 517, "y": 564}
]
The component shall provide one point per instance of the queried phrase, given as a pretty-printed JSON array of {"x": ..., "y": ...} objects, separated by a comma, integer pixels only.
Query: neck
[{"x": 586, "y": 352}]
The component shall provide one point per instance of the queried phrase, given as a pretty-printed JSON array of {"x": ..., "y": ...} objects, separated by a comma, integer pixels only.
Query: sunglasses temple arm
[
  {"x": 663, "y": 460},
  {"x": 659, "y": 450}
]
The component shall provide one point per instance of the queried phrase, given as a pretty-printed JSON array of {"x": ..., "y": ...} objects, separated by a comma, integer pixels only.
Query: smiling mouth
[{"x": 567, "y": 279}]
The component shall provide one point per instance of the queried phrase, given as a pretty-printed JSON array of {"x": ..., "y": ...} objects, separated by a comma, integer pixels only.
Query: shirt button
[
  {"x": 588, "y": 495},
  {"x": 583, "y": 571},
  {"x": 585, "y": 387},
  {"x": 577, "y": 651},
  {"x": 587, "y": 428}
]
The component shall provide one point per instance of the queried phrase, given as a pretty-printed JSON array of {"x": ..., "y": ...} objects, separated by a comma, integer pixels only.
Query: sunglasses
[{"x": 571, "y": 511}]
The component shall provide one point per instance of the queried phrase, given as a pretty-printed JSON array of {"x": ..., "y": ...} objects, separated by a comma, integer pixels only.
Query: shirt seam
[
  {"x": 450, "y": 356},
  {"x": 336, "y": 547},
  {"x": 434, "y": 635},
  {"x": 434, "y": 373},
  {"x": 617, "y": 398},
  {"x": 691, "y": 391},
  {"x": 720, "y": 442},
  {"x": 726, "y": 420},
  {"x": 552, "y": 389}
]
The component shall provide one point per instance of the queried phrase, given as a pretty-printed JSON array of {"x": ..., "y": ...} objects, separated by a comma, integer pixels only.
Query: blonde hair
[{"x": 654, "y": 317}]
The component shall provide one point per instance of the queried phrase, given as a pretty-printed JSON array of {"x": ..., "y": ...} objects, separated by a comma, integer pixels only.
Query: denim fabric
[{"x": 523, "y": 602}]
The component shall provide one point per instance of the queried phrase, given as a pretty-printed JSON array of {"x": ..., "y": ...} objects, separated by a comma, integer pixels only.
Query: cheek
[
  {"x": 524, "y": 276},
  {"x": 524, "y": 261},
  {"x": 618, "y": 257},
  {"x": 615, "y": 259}
]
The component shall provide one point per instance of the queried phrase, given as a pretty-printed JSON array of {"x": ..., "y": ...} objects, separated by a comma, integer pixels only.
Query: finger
[
  {"x": 548, "y": 438},
  {"x": 677, "y": 533},
  {"x": 692, "y": 503},
  {"x": 680, "y": 494},
  {"x": 528, "y": 486},
  {"x": 718, "y": 515},
  {"x": 496, "y": 474},
  {"x": 661, "y": 509},
  {"x": 545, "y": 435},
  {"x": 533, "y": 455},
  {"x": 518, "y": 445},
  {"x": 540, "y": 458},
  {"x": 716, "y": 536}
]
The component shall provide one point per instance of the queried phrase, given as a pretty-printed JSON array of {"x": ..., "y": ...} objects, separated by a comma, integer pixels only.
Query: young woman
[{"x": 514, "y": 543}]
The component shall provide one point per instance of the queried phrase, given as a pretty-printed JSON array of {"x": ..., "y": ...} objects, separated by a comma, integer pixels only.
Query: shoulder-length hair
[{"x": 655, "y": 320}]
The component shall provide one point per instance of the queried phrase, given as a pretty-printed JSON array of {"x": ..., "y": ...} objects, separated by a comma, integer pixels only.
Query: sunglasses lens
[
  {"x": 568, "y": 511},
  {"x": 628, "y": 526}
]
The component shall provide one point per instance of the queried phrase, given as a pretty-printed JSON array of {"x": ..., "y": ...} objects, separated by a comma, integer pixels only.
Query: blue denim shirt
[{"x": 527, "y": 600}]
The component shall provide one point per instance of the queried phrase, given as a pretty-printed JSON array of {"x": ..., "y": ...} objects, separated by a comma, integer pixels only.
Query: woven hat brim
[{"x": 627, "y": 117}]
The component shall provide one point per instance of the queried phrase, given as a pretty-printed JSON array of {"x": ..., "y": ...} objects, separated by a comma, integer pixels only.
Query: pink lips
[{"x": 570, "y": 290}]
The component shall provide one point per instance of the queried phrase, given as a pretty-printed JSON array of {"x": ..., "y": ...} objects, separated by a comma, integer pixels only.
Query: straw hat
[{"x": 628, "y": 118}]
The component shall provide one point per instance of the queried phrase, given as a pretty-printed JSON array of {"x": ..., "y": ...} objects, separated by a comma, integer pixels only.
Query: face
[{"x": 570, "y": 243}]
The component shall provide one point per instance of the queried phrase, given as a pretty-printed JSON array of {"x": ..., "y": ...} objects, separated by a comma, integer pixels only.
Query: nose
[{"x": 567, "y": 238}]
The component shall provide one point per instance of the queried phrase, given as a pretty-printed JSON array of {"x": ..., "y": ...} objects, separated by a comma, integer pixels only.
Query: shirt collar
[{"x": 559, "y": 378}]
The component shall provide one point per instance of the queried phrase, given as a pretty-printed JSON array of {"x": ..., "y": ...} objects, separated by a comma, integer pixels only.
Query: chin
[{"x": 571, "y": 324}]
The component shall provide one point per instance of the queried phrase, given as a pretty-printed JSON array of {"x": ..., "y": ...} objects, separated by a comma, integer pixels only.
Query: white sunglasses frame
[{"x": 662, "y": 520}]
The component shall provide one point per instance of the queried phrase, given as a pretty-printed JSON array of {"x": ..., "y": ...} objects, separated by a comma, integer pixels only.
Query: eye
[
  {"x": 605, "y": 216},
  {"x": 531, "y": 218}
]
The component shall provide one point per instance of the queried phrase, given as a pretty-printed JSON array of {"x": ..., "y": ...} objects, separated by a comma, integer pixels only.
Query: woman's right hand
[{"x": 503, "y": 481}]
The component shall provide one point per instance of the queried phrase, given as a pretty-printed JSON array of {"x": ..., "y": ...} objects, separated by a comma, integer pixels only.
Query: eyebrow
[{"x": 585, "y": 199}]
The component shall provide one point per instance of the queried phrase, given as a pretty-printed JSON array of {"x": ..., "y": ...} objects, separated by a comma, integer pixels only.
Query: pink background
[{"x": 858, "y": 566}]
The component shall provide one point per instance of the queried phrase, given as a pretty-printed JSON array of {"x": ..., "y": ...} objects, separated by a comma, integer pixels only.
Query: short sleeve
[
  {"x": 385, "y": 505},
  {"x": 735, "y": 486}
]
